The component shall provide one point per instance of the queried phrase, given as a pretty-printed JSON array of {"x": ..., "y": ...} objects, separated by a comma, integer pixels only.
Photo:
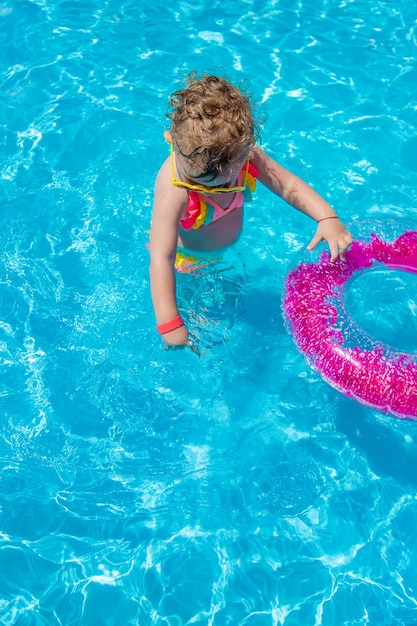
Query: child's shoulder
[
  {"x": 257, "y": 155},
  {"x": 164, "y": 191},
  {"x": 164, "y": 178}
]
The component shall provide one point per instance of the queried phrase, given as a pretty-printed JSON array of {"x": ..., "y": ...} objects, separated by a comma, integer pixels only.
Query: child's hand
[
  {"x": 176, "y": 337},
  {"x": 189, "y": 344},
  {"x": 338, "y": 238}
]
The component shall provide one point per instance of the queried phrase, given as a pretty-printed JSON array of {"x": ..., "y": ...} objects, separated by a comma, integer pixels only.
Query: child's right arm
[{"x": 168, "y": 207}]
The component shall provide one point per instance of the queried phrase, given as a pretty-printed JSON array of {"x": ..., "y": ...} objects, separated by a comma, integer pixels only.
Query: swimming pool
[{"x": 143, "y": 486}]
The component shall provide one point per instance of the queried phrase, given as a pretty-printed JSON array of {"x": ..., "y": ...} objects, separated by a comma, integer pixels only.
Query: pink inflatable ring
[{"x": 342, "y": 353}]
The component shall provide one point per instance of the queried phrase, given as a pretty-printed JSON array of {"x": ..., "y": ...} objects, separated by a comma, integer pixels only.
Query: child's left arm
[{"x": 303, "y": 198}]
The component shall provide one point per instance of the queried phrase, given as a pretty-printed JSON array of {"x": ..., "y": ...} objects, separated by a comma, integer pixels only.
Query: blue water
[{"x": 143, "y": 486}]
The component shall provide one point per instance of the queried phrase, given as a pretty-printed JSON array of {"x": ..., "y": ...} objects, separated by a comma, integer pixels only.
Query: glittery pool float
[{"x": 342, "y": 353}]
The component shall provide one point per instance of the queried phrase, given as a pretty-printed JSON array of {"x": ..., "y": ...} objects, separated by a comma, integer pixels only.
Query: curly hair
[{"x": 212, "y": 123}]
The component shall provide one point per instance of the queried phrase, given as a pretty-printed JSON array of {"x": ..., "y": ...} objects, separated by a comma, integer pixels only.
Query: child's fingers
[
  {"x": 314, "y": 242},
  {"x": 194, "y": 348},
  {"x": 181, "y": 346},
  {"x": 334, "y": 251}
]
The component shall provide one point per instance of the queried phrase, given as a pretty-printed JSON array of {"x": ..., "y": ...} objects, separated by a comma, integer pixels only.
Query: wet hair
[{"x": 212, "y": 124}]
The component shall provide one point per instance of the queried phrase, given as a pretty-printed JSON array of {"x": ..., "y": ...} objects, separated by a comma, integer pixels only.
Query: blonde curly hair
[{"x": 212, "y": 124}]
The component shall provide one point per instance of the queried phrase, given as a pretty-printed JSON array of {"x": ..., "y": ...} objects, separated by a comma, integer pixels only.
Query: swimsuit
[
  {"x": 203, "y": 210},
  {"x": 188, "y": 261}
]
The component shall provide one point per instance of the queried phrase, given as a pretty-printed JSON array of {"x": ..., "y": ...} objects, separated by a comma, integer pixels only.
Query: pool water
[
  {"x": 390, "y": 295},
  {"x": 144, "y": 486}
]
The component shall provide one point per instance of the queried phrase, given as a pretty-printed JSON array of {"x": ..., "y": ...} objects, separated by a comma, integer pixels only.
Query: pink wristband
[
  {"x": 332, "y": 217},
  {"x": 166, "y": 327}
]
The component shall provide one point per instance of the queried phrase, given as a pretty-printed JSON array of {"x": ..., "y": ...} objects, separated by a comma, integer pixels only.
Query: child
[{"x": 201, "y": 187}]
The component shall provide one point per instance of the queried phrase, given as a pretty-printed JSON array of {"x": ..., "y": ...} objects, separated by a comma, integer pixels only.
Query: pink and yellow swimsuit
[{"x": 203, "y": 210}]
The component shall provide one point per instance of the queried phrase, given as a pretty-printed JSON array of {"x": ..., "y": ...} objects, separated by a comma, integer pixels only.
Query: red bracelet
[
  {"x": 332, "y": 217},
  {"x": 166, "y": 327}
]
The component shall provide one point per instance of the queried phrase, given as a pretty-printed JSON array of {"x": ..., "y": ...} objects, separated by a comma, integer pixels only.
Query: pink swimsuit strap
[
  {"x": 202, "y": 209},
  {"x": 219, "y": 211}
]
